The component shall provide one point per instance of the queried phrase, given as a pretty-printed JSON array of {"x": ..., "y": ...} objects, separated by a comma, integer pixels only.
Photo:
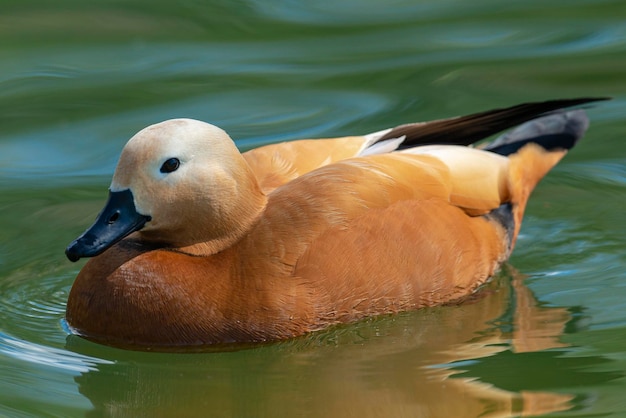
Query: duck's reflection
[{"x": 405, "y": 365}]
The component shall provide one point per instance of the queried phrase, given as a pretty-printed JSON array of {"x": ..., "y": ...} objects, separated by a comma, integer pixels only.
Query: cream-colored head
[{"x": 190, "y": 179}]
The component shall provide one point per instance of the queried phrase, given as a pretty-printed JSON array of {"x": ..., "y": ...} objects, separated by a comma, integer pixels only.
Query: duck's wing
[{"x": 277, "y": 164}]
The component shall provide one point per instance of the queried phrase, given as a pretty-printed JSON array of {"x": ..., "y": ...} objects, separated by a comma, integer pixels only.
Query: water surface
[{"x": 78, "y": 79}]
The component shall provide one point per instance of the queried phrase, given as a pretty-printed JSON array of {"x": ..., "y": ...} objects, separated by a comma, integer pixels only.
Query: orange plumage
[{"x": 290, "y": 238}]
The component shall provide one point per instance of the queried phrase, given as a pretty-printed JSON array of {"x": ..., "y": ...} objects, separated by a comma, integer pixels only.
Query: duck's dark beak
[{"x": 118, "y": 219}]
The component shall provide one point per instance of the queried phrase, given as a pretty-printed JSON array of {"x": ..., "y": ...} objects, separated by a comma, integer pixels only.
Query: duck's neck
[{"x": 230, "y": 237}]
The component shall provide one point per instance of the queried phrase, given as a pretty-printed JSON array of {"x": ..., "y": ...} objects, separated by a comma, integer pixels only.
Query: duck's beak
[{"x": 118, "y": 219}]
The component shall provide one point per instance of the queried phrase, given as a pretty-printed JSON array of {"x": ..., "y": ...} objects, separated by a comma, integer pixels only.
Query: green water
[{"x": 77, "y": 79}]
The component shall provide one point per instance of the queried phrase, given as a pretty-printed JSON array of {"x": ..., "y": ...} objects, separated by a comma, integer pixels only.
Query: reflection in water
[{"x": 358, "y": 370}]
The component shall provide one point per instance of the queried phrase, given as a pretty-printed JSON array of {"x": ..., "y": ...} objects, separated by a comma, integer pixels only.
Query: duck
[{"x": 200, "y": 245}]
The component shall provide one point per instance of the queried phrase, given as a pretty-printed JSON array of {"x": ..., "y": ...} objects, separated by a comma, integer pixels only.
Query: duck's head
[{"x": 178, "y": 183}]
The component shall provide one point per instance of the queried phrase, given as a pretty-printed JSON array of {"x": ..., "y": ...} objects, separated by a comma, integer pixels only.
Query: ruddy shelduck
[{"x": 200, "y": 245}]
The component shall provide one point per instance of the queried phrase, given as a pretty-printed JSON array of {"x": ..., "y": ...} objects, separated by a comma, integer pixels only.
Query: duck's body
[{"x": 291, "y": 238}]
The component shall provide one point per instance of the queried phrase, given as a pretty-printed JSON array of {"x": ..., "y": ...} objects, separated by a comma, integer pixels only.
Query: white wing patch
[
  {"x": 383, "y": 147},
  {"x": 373, "y": 146}
]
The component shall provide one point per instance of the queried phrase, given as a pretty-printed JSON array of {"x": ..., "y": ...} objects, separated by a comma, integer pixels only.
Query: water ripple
[
  {"x": 244, "y": 114},
  {"x": 47, "y": 356},
  {"x": 32, "y": 307},
  {"x": 32, "y": 303}
]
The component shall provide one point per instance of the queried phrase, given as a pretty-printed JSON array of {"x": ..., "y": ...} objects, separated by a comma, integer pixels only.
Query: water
[{"x": 78, "y": 79}]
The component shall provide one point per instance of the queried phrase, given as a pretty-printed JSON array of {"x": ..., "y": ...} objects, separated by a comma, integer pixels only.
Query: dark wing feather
[{"x": 466, "y": 130}]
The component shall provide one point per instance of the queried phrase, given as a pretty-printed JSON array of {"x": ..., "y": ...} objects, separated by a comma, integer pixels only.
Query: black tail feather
[{"x": 466, "y": 130}]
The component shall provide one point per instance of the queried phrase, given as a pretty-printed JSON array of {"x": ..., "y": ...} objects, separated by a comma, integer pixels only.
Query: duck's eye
[{"x": 170, "y": 165}]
